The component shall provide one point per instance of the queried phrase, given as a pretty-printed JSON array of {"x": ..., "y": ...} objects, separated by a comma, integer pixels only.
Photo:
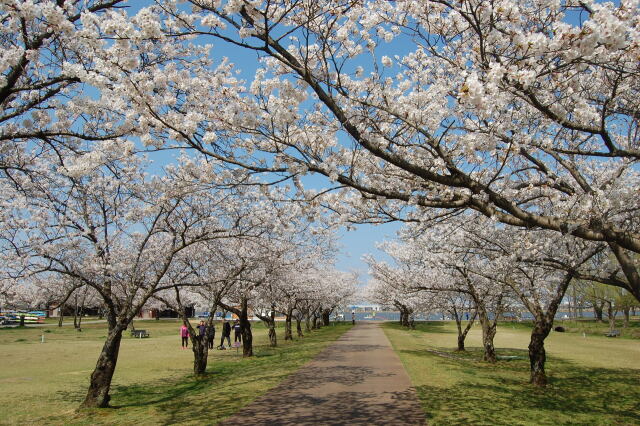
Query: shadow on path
[{"x": 357, "y": 380}]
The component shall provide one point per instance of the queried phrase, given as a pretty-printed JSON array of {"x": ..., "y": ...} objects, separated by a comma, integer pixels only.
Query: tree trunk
[
  {"x": 315, "y": 322},
  {"x": 537, "y": 354},
  {"x": 597, "y": 311},
  {"x": 269, "y": 321},
  {"x": 273, "y": 339},
  {"x": 407, "y": 320},
  {"x": 461, "y": 339},
  {"x": 245, "y": 330},
  {"x": 625, "y": 311},
  {"x": 307, "y": 323},
  {"x": 100, "y": 382},
  {"x": 75, "y": 314},
  {"x": 287, "y": 326},
  {"x": 488, "y": 333},
  {"x": 462, "y": 333},
  {"x": 612, "y": 316},
  {"x": 61, "y": 310},
  {"x": 200, "y": 349},
  {"x": 299, "y": 327},
  {"x": 325, "y": 317},
  {"x": 80, "y": 319}
]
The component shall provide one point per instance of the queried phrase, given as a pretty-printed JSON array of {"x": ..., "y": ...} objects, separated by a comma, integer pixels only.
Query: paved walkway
[{"x": 358, "y": 380}]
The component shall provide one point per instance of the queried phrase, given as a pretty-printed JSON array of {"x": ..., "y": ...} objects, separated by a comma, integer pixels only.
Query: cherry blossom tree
[
  {"x": 516, "y": 258},
  {"x": 457, "y": 305},
  {"x": 522, "y": 111},
  {"x": 431, "y": 262},
  {"x": 520, "y": 260},
  {"x": 103, "y": 223}
]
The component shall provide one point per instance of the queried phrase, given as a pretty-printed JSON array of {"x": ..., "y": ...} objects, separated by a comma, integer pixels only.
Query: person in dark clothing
[
  {"x": 226, "y": 333},
  {"x": 237, "y": 332},
  {"x": 202, "y": 331},
  {"x": 211, "y": 335}
]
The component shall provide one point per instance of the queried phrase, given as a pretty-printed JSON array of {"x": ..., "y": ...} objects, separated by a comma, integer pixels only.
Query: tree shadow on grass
[
  {"x": 230, "y": 383},
  {"x": 207, "y": 398},
  {"x": 500, "y": 393}
]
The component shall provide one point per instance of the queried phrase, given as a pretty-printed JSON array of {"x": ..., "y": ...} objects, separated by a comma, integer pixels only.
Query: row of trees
[
  {"x": 130, "y": 239},
  {"x": 523, "y": 112},
  {"x": 470, "y": 267}
]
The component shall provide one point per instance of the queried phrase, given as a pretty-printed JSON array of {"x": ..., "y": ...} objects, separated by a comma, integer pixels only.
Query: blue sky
[{"x": 361, "y": 241}]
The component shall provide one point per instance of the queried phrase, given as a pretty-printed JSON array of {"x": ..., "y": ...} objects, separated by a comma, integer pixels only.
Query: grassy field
[
  {"x": 43, "y": 383},
  {"x": 594, "y": 380}
]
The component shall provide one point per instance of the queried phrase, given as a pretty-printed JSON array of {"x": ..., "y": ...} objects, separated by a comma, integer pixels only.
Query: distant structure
[{"x": 365, "y": 308}]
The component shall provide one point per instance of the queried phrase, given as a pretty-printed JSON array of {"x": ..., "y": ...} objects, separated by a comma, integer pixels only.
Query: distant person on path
[
  {"x": 211, "y": 335},
  {"x": 226, "y": 333},
  {"x": 353, "y": 318},
  {"x": 237, "y": 334},
  {"x": 202, "y": 331},
  {"x": 184, "y": 334}
]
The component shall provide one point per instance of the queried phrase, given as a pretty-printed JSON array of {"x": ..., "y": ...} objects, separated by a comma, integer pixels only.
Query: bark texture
[
  {"x": 288, "y": 335},
  {"x": 537, "y": 353},
  {"x": 100, "y": 382},
  {"x": 325, "y": 317}
]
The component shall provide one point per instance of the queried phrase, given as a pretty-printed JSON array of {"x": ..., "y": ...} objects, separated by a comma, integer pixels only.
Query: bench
[
  {"x": 139, "y": 334},
  {"x": 612, "y": 333}
]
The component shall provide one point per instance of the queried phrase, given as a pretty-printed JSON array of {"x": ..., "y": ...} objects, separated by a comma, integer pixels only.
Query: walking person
[
  {"x": 184, "y": 334},
  {"x": 226, "y": 333},
  {"x": 237, "y": 332}
]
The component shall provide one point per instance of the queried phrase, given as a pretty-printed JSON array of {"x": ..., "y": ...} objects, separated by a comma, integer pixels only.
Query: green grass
[
  {"x": 153, "y": 383},
  {"x": 594, "y": 380},
  {"x": 591, "y": 327}
]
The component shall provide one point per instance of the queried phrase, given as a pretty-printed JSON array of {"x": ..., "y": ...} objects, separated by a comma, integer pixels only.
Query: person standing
[
  {"x": 226, "y": 333},
  {"x": 237, "y": 330},
  {"x": 211, "y": 335},
  {"x": 184, "y": 334},
  {"x": 202, "y": 331}
]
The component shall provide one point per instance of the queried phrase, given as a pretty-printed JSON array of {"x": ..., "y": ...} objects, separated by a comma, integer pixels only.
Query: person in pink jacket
[{"x": 184, "y": 333}]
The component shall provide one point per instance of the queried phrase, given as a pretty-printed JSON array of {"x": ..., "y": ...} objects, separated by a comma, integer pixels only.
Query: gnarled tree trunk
[
  {"x": 537, "y": 354},
  {"x": 307, "y": 322},
  {"x": 462, "y": 333},
  {"x": 299, "y": 327},
  {"x": 488, "y": 334},
  {"x": 270, "y": 322},
  {"x": 288, "y": 335},
  {"x": 200, "y": 352},
  {"x": 273, "y": 337},
  {"x": 325, "y": 317},
  {"x": 100, "y": 382},
  {"x": 489, "y": 329},
  {"x": 245, "y": 330}
]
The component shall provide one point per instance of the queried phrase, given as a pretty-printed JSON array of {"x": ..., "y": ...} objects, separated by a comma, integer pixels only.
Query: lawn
[
  {"x": 44, "y": 383},
  {"x": 594, "y": 380}
]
